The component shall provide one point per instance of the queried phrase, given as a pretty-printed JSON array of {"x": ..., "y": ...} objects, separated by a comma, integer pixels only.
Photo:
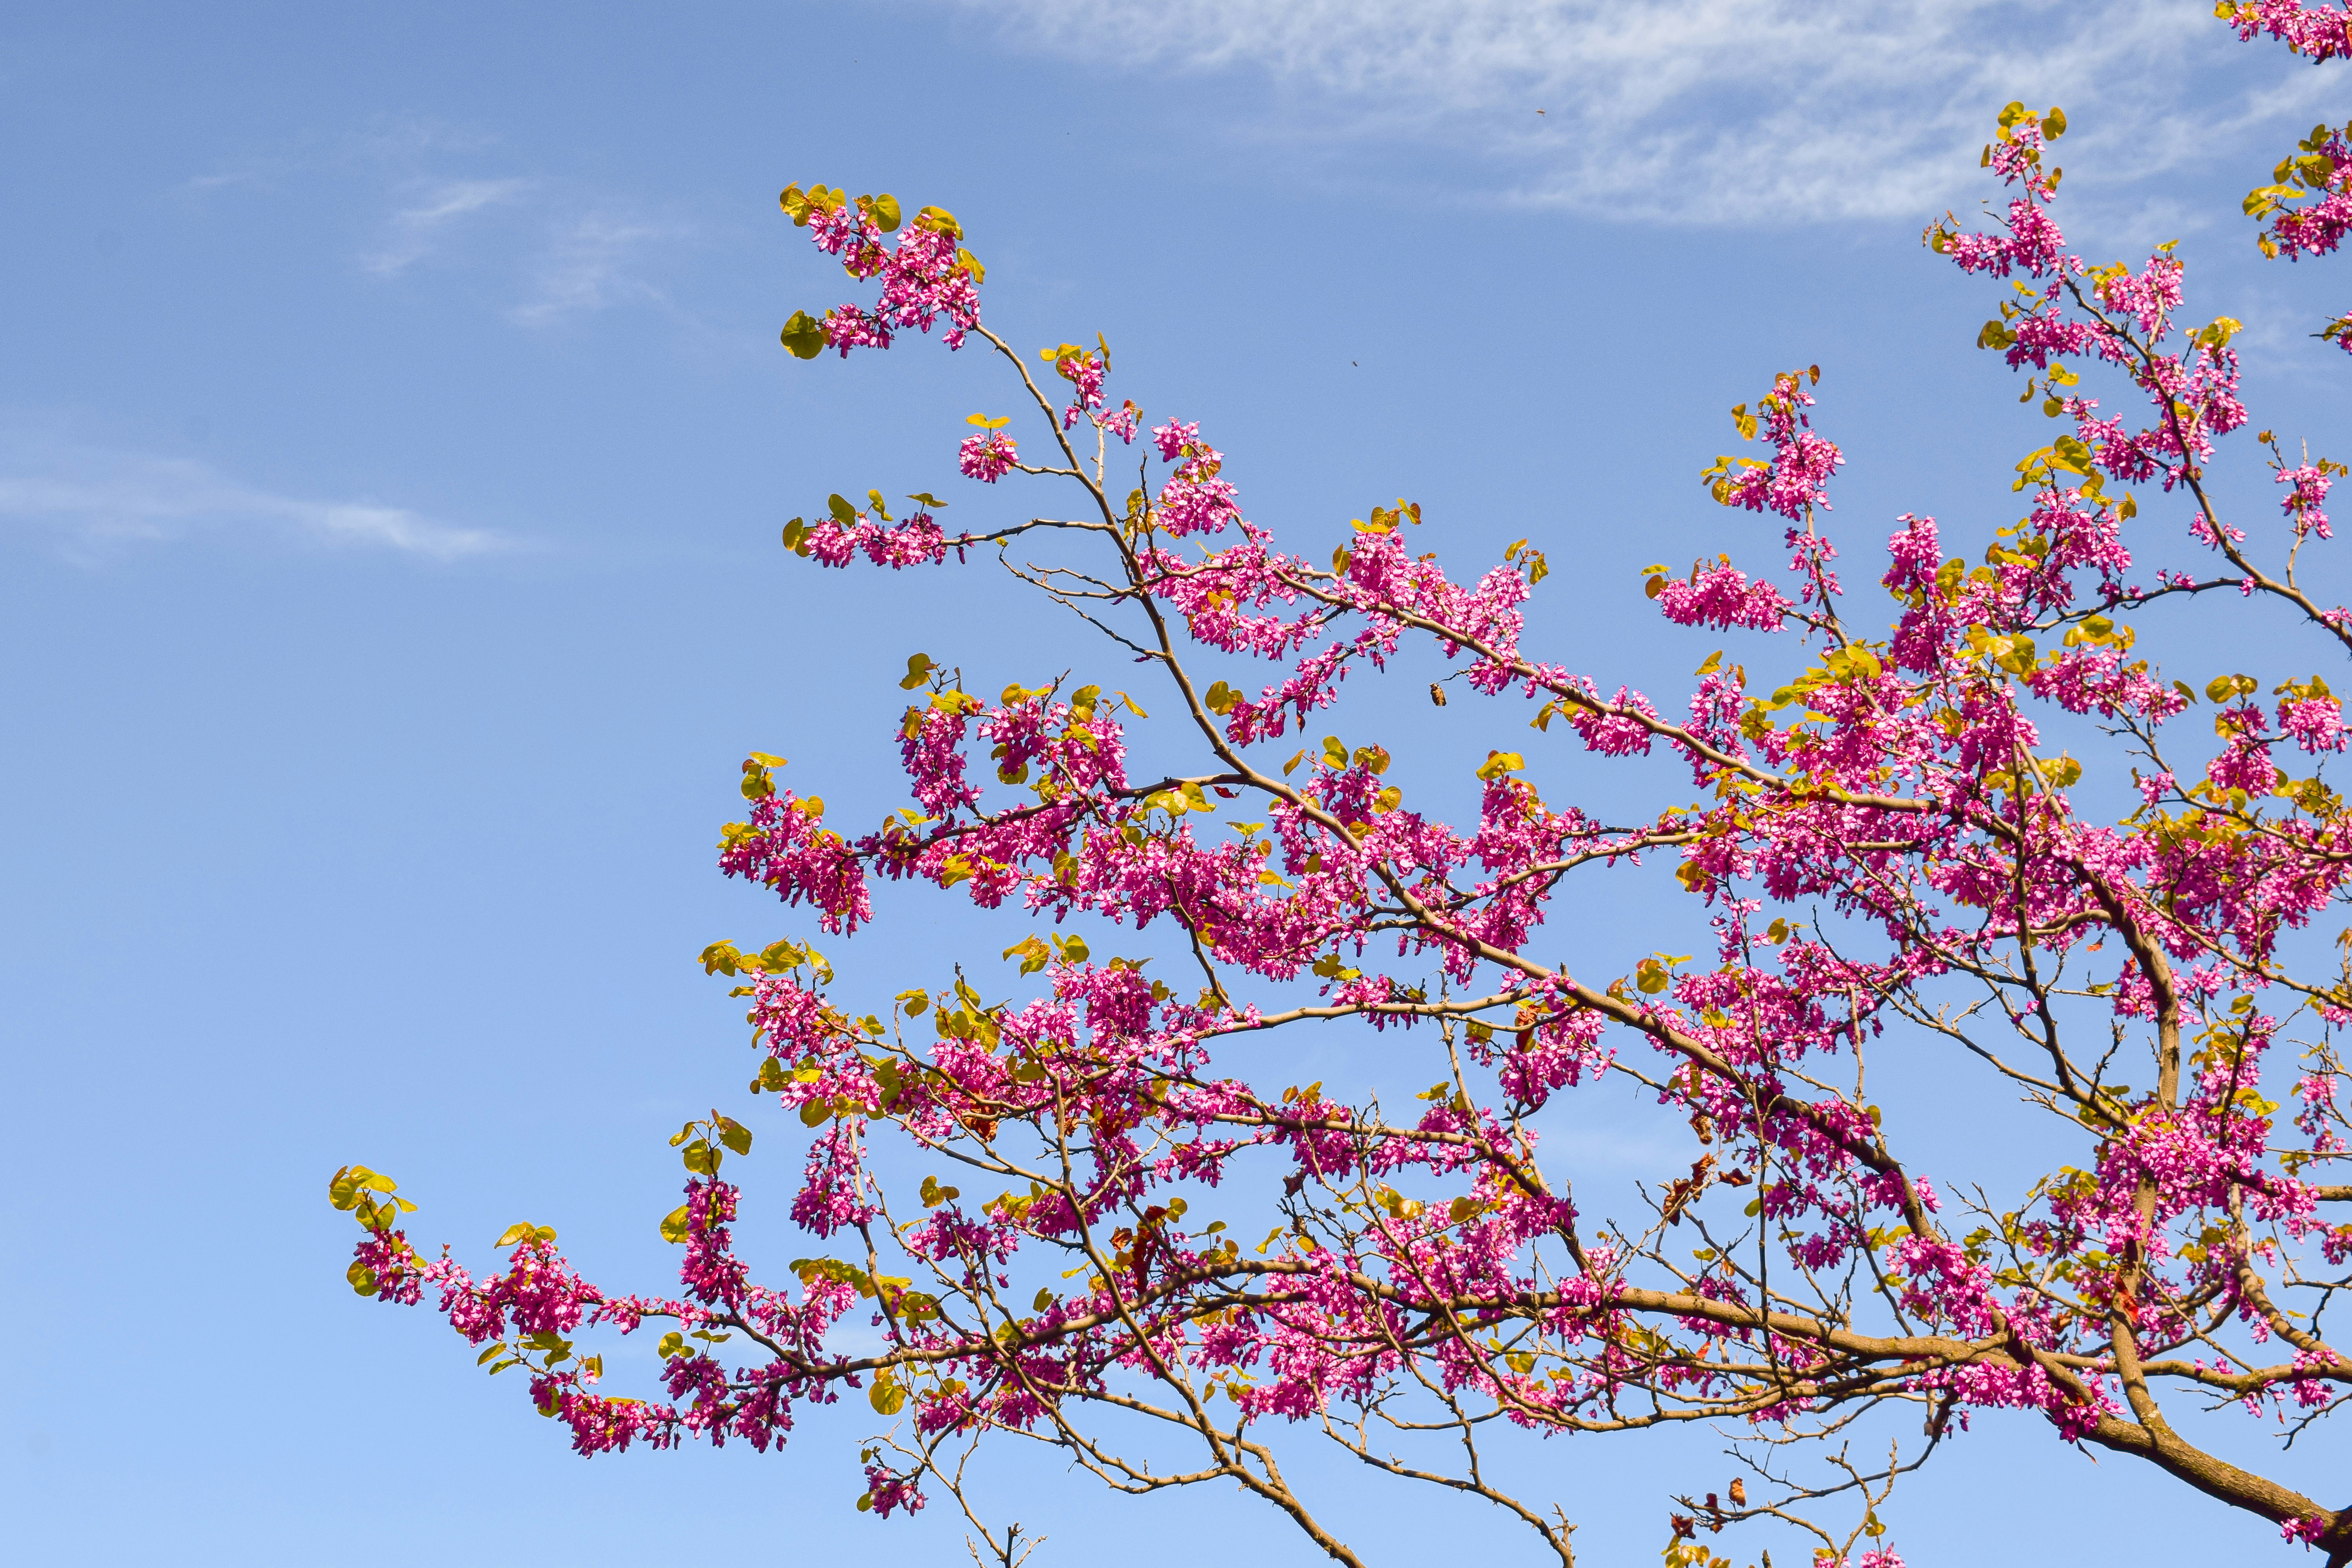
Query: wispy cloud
[
  {"x": 428, "y": 196},
  {"x": 417, "y": 229},
  {"x": 94, "y": 500},
  {"x": 1709, "y": 110},
  {"x": 590, "y": 264},
  {"x": 571, "y": 252}
]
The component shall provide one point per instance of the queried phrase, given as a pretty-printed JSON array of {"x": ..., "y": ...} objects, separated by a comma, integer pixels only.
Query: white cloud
[
  {"x": 562, "y": 248},
  {"x": 588, "y": 266},
  {"x": 1712, "y": 110},
  {"x": 95, "y": 499},
  {"x": 417, "y": 228}
]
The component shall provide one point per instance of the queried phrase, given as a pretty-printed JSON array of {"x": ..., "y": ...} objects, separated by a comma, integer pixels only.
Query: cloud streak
[
  {"x": 96, "y": 499},
  {"x": 589, "y": 265},
  {"x": 417, "y": 230},
  {"x": 561, "y": 248},
  {"x": 1710, "y": 112}
]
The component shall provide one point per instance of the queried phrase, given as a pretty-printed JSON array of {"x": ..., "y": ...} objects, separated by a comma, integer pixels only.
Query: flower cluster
[{"x": 926, "y": 276}]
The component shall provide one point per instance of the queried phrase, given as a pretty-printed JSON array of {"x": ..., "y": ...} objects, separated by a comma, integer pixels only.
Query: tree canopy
[{"x": 1889, "y": 855}]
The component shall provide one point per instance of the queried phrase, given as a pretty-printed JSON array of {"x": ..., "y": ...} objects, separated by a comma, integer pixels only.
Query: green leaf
[
  {"x": 803, "y": 335},
  {"x": 362, "y": 1277},
  {"x": 700, "y": 1158},
  {"x": 887, "y": 1398},
  {"x": 735, "y": 1135},
  {"x": 344, "y": 1187},
  {"x": 929, "y": 499},
  {"x": 918, "y": 669},
  {"x": 673, "y": 1224},
  {"x": 519, "y": 1231},
  {"x": 886, "y": 215},
  {"x": 673, "y": 1344},
  {"x": 843, "y": 512}
]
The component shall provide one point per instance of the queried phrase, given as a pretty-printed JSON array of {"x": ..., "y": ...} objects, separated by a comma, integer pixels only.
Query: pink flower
[{"x": 987, "y": 457}]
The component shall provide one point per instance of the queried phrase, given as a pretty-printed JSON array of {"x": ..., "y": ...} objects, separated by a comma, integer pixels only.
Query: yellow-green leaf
[{"x": 803, "y": 335}]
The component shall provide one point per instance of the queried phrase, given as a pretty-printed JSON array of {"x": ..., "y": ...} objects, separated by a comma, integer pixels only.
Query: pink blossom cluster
[
  {"x": 917, "y": 541},
  {"x": 2316, "y": 32},
  {"x": 2308, "y": 484},
  {"x": 1797, "y": 479},
  {"x": 987, "y": 456},
  {"x": 925, "y": 274},
  {"x": 1722, "y": 597}
]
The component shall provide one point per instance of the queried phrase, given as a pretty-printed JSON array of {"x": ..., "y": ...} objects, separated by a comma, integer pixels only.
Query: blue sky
[{"x": 393, "y": 444}]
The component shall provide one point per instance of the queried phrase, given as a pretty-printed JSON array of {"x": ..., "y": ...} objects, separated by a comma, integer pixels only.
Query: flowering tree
[{"x": 1426, "y": 1283}]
